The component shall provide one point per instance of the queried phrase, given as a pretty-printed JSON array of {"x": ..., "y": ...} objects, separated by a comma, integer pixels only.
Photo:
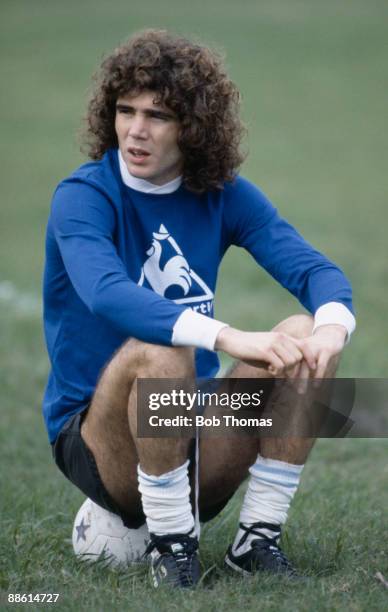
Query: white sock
[
  {"x": 271, "y": 487},
  {"x": 166, "y": 501}
]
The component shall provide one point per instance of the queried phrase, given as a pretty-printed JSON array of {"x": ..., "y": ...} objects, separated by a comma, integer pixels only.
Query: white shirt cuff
[
  {"x": 194, "y": 329},
  {"x": 335, "y": 313}
]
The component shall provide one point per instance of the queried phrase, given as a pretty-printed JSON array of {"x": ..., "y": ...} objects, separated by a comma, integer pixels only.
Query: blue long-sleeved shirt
[{"x": 121, "y": 263}]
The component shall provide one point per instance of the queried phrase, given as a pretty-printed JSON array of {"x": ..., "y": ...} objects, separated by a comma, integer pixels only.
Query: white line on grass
[{"x": 19, "y": 302}]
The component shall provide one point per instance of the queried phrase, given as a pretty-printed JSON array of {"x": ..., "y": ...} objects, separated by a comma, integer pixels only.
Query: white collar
[{"x": 146, "y": 186}]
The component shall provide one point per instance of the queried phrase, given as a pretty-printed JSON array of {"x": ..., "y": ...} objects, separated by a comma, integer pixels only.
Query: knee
[
  {"x": 298, "y": 326},
  {"x": 156, "y": 361}
]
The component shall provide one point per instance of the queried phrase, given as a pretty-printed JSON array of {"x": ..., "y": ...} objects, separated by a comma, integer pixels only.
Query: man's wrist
[
  {"x": 223, "y": 338},
  {"x": 332, "y": 329}
]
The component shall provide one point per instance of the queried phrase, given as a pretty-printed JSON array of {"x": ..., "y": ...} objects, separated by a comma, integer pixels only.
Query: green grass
[{"x": 312, "y": 75}]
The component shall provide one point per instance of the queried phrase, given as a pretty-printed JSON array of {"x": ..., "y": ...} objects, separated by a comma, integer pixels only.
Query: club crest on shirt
[{"x": 169, "y": 274}]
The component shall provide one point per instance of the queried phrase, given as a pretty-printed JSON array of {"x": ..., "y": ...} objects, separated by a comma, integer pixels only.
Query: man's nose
[{"x": 138, "y": 126}]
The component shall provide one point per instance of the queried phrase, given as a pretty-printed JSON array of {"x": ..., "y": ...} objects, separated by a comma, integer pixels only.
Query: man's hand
[
  {"x": 321, "y": 350},
  {"x": 274, "y": 351},
  {"x": 282, "y": 354}
]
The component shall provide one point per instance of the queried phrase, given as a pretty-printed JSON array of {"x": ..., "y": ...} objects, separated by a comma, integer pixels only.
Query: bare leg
[
  {"x": 225, "y": 461},
  {"x": 109, "y": 429},
  {"x": 288, "y": 449},
  {"x": 291, "y": 449}
]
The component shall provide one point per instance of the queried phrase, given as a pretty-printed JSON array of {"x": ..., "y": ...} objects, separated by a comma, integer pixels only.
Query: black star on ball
[{"x": 81, "y": 529}]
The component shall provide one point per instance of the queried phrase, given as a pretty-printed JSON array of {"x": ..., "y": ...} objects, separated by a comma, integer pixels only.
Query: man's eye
[
  {"x": 125, "y": 111},
  {"x": 161, "y": 117}
]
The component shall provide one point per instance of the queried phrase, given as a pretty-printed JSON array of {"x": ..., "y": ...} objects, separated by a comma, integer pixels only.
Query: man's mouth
[{"x": 137, "y": 153}]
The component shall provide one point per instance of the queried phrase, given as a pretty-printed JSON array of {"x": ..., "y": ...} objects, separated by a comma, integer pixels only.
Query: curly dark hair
[{"x": 191, "y": 81}]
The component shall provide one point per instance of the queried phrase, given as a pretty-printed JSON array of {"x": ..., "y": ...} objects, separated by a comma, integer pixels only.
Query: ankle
[{"x": 166, "y": 501}]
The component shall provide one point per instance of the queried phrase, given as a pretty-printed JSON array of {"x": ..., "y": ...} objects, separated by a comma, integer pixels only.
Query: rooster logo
[{"x": 176, "y": 270}]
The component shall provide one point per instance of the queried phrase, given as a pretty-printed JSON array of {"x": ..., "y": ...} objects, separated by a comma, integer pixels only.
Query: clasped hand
[{"x": 284, "y": 355}]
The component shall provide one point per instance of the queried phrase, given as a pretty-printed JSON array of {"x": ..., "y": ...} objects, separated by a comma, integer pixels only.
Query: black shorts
[{"x": 77, "y": 463}]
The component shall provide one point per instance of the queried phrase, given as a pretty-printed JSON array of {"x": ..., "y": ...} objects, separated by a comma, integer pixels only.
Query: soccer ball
[{"x": 101, "y": 535}]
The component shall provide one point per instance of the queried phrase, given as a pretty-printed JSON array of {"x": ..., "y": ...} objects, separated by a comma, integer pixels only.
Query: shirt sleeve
[
  {"x": 334, "y": 313},
  {"x": 83, "y": 223},
  {"x": 276, "y": 245},
  {"x": 195, "y": 329}
]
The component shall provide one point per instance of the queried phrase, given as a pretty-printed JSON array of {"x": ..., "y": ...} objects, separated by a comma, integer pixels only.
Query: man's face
[{"x": 147, "y": 134}]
